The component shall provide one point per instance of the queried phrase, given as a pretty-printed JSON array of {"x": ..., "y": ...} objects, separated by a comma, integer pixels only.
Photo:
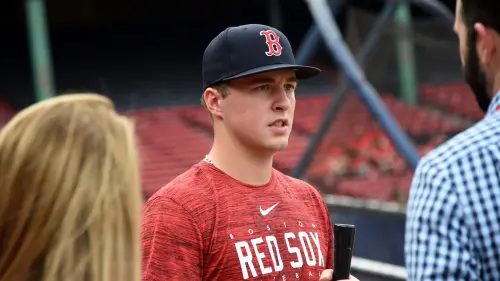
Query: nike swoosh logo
[{"x": 268, "y": 210}]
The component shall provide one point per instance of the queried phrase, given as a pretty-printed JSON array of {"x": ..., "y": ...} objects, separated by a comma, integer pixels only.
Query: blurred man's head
[{"x": 477, "y": 24}]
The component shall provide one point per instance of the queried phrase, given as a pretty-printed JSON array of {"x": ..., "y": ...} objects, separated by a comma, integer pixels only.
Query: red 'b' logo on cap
[{"x": 273, "y": 43}]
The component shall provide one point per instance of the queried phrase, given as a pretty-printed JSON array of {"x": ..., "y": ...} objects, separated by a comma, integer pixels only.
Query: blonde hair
[{"x": 70, "y": 197}]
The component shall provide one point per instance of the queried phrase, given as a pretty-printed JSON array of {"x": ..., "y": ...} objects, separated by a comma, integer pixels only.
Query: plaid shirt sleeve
[
  {"x": 453, "y": 215},
  {"x": 436, "y": 240}
]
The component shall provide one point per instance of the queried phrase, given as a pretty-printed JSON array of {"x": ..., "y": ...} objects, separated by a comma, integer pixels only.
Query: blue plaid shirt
[{"x": 453, "y": 215}]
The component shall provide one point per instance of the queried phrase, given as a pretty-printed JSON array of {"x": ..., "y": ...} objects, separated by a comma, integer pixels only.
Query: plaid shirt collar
[{"x": 494, "y": 105}]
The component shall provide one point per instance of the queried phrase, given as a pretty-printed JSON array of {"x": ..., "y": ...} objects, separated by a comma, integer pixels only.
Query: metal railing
[{"x": 380, "y": 270}]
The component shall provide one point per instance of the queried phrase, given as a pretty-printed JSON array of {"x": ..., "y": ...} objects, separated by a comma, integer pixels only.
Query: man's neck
[
  {"x": 241, "y": 163},
  {"x": 496, "y": 85}
]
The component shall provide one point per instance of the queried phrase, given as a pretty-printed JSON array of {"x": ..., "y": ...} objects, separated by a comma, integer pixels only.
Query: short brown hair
[{"x": 222, "y": 88}]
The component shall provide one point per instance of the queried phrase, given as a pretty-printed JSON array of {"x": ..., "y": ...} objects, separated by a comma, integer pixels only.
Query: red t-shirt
[{"x": 205, "y": 225}]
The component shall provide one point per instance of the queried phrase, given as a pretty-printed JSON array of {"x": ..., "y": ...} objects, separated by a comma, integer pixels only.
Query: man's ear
[
  {"x": 213, "y": 100},
  {"x": 486, "y": 43}
]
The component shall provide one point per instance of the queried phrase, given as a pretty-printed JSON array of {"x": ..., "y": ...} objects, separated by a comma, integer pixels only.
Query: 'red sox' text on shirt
[{"x": 205, "y": 225}]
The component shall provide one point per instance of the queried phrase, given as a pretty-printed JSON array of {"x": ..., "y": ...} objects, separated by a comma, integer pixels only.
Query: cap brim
[{"x": 301, "y": 72}]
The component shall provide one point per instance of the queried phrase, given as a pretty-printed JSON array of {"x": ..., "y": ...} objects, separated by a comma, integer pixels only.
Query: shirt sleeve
[
  {"x": 328, "y": 224},
  {"x": 437, "y": 242},
  {"x": 172, "y": 247},
  {"x": 329, "y": 257}
]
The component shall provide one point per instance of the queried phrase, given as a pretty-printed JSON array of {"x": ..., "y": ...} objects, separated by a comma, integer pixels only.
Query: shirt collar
[{"x": 494, "y": 105}]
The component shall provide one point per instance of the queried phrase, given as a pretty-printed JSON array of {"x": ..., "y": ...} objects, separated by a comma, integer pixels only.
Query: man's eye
[
  {"x": 289, "y": 88},
  {"x": 262, "y": 88}
]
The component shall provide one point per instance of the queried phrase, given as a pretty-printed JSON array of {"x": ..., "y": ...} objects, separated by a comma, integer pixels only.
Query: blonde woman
[{"x": 70, "y": 199}]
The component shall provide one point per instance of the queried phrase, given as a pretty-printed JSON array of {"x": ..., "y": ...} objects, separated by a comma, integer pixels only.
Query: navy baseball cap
[{"x": 249, "y": 49}]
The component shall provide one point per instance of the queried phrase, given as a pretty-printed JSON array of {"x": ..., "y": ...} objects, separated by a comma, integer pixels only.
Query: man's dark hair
[
  {"x": 484, "y": 12},
  {"x": 481, "y": 11}
]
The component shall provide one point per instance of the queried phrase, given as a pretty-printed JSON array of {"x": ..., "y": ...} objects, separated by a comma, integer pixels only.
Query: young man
[
  {"x": 453, "y": 217},
  {"x": 232, "y": 216}
]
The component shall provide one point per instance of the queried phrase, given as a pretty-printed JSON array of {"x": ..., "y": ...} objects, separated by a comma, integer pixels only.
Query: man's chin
[{"x": 277, "y": 146}]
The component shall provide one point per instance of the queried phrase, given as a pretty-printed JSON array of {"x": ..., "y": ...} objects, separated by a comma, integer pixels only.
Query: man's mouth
[{"x": 279, "y": 123}]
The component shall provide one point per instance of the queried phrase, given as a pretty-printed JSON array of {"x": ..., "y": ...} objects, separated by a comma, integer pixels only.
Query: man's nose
[{"x": 282, "y": 102}]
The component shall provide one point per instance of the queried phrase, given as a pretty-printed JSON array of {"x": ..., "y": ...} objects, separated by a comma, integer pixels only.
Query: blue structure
[{"x": 378, "y": 235}]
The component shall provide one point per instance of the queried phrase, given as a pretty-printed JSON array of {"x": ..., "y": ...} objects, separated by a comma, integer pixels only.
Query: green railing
[{"x": 41, "y": 60}]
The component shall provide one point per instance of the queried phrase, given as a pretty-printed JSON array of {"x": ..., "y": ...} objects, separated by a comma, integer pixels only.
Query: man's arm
[
  {"x": 437, "y": 241},
  {"x": 329, "y": 255},
  {"x": 325, "y": 215},
  {"x": 172, "y": 247}
]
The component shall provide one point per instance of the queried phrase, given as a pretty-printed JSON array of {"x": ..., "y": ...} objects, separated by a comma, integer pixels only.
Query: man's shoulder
[
  {"x": 188, "y": 189},
  {"x": 300, "y": 186},
  {"x": 294, "y": 182},
  {"x": 449, "y": 168},
  {"x": 480, "y": 136}
]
